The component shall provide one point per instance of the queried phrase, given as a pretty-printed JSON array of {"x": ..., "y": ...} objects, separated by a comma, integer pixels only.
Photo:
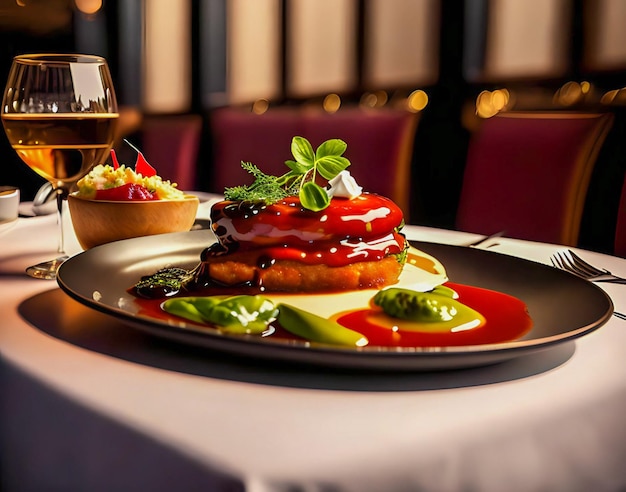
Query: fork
[{"x": 571, "y": 262}]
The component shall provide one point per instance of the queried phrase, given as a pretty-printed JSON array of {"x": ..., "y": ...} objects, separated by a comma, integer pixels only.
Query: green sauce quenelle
[
  {"x": 317, "y": 329},
  {"x": 437, "y": 308},
  {"x": 234, "y": 314}
]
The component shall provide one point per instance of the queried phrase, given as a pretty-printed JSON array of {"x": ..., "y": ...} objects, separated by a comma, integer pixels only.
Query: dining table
[{"x": 90, "y": 403}]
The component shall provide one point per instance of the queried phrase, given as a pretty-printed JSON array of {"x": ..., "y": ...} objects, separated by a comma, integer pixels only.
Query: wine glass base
[{"x": 46, "y": 270}]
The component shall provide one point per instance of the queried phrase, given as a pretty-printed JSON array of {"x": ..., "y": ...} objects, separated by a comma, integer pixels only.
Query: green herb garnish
[
  {"x": 327, "y": 161},
  {"x": 164, "y": 283},
  {"x": 402, "y": 256}
]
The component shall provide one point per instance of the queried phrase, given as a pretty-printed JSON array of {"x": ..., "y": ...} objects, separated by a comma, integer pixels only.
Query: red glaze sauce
[
  {"x": 507, "y": 319},
  {"x": 347, "y": 231}
]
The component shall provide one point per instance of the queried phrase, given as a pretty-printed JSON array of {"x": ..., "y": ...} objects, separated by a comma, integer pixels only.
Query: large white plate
[{"x": 563, "y": 307}]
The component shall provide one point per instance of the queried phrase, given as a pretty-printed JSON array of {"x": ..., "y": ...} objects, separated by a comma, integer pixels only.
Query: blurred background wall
[{"x": 454, "y": 62}]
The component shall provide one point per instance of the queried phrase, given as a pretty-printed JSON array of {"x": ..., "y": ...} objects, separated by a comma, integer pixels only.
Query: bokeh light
[
  {"x": 260, "y": 106},
  {"x": 490, "y": 103},
  {"x": 332, "y": 103},
  {"x": 88, "y": 7},
  {"x": 417, "y": 101}
]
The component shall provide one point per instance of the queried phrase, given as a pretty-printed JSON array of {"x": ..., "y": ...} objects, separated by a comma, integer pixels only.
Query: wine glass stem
[{"x": 61, "y": 196}]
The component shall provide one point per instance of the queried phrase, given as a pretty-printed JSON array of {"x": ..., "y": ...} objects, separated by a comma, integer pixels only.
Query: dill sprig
[{"x": 265, "y": 187}]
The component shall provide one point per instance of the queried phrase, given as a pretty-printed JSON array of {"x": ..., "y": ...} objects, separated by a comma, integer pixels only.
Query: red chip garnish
[
  {"x": 126, "y": 192},
  {"x": 142, "y": 167},
  {"x": 116, "y": 164}
]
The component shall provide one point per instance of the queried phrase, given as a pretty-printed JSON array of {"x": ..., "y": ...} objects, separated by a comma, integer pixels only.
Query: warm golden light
[
  {"x": 609, "y": 97},
  {"x": 499, "y": 99},
  {"x": 260, "y": 106},
  {"x": 253, "y": 64},
  {"x": 417, "y": 101},
  {"x": 614, "y": 97},
  {"x": 569, "y": 94},
  {"x": 402, "y": 42},
  {"x": 322, "y": 46},
  {"x": 332, "y": 103},
  {"x": 166, "y": 67},
  {"x": 489, "y": 103},
  {"x": 88, "y": 7},
  {"x": 368, "y": 100},
  {"x": 381, "y": 98},
  {"x": 374, "y": 99}
]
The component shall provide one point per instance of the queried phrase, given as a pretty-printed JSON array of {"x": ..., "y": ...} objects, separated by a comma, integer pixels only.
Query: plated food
[
  {"x": 122, "y": 183},
  {"x": 114, "y": 202},
  {"x": 563, "y": 308},
  {"x": 284, "y": 238},
  {"x": 352, "y": 244}
]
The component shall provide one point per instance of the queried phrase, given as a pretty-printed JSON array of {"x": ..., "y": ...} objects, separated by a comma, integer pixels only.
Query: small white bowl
[{"x": 9, "y": 203}]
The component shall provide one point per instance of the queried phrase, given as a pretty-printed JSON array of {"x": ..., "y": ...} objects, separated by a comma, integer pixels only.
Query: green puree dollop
[
  {"x": 247, "y": 314},
  {"x": 436, "y": 310},
  {"x": 235, "y": 314}
]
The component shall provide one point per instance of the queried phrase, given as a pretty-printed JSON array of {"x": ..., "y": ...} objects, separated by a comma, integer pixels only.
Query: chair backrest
[
  {"x": 171, "y": 144},
  {"x": 380, "y": 144},
  {"x": 242, "y": 136},
  {"x": 620, "y": 229},
  {"x": 527, "y": 173}
]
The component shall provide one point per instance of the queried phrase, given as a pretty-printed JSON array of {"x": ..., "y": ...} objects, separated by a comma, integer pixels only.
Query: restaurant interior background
[{"x": 453, "y": 63}]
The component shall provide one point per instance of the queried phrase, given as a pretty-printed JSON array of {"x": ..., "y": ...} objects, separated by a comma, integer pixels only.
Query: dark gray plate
[{"x": 563, "y": 307}]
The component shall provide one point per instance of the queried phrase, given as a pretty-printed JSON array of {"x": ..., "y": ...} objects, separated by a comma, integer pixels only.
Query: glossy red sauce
[
  {"x": 506, "y": 317},
  {"x": 360, "y": 229}
]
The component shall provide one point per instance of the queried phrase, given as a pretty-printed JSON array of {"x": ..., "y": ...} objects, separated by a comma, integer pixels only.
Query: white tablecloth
[{"x": 90, "y": 404}]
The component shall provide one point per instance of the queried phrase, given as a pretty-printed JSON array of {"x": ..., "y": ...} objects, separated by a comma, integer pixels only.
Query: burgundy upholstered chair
[
  {"x": 620, "y": 230},
  {"x": 170, "y": 144},
  {"x": 240, "y": 135},
  {"x": 380, "y": 144},
  {"x": 527, "y": 173}
]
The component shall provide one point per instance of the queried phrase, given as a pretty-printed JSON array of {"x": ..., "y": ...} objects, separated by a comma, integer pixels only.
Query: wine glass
[{"x": 59, "y": 112}]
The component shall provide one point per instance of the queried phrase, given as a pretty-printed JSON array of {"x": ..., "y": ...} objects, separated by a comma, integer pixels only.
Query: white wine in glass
[{"x": 59, "y": 112}]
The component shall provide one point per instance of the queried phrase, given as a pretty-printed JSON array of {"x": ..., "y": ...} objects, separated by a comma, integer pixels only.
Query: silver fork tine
[
  {"x": 578, "y": 267},
  {"x": 584, "y": 265},
  {"x": 572, "y": 267},
  {"x": 557, "y": 261},
  {"x": 566, "y": 262},
  {"x": 571, "y": 262}
]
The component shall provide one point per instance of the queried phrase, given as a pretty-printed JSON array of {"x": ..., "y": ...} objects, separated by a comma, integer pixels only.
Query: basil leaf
[
  {"x": 313, "y": 197},
  {"x": 303, "y": 151},
  {"x": 334, "y": 146},
  {"x": 330, "y": 166},
  {"x": 297, "y": 167}
]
